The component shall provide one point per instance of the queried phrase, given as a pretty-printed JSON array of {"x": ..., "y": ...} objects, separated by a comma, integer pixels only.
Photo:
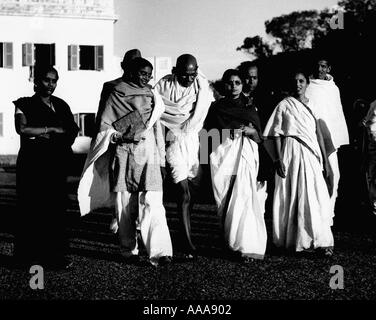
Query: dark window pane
[{"x": 87, "y": 58}]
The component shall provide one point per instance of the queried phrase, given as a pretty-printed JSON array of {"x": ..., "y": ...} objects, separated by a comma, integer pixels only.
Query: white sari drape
[
  {"x": 302, "y": 213},
  {"x": 234, "y": 166}
]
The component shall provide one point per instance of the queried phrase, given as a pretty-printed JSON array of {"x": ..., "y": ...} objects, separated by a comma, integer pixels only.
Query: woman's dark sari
[
  {"x": 228, "y": 113},
  {"x": 42, "y": 166}
]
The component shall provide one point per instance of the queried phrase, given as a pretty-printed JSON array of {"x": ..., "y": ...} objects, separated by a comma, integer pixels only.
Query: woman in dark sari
[
  {"x": 234, "y": 166},
  {"x": 47, "y": 131}
]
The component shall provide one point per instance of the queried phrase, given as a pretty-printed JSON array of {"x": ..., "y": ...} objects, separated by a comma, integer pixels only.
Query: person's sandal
[
  {"x": 247, "y": 260},
  {"x": 190, "y": 256},
  {"x": 114, "y": 226},
  {"x": 328, "y": 252}
]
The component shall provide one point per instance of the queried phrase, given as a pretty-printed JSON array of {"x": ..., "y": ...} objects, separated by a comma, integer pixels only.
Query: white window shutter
[
  {"x": 99, "y": 62},
  {"x": 8, "y": 55},
  {"x": 28, "y": 58},
  {"x": 73, "y": 57}
]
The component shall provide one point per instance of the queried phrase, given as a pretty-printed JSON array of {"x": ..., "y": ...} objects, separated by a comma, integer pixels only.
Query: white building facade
[{"x": 76, "y": 36}]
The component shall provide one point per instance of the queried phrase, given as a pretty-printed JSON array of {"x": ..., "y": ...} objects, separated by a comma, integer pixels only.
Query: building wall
[
  {"x": 80, "y": 89},
  {"x": 161, "y": 67}
]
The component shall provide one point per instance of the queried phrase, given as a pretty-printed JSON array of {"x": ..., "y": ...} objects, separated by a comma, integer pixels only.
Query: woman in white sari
[
  {"x": 234, "y": 166},
  {"x": 302, "y": 214}
]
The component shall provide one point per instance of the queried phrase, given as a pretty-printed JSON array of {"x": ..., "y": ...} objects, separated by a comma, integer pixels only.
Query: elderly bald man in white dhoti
[
  {"x": 187, "y": 98},
  {"x": 325, "y": 95}
]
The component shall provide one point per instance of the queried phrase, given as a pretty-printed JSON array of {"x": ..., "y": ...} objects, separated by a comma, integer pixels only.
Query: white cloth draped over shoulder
[
  {"x": 185, "y": 111},
  {"x": 302, "y": 213},
  {"x": 327, "y": 106},
  {"x": 94, "y": 187},
  {"x": 186, "y": 107},
  {"x": 289, "y": 118},
  {"x": 238, "y": 195}
]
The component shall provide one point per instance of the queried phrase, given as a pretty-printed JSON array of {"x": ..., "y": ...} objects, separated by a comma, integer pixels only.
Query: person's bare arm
[
  {"x": 22, "y": 128},
  {"x": 328, "y": 172},
  {"x": 278, "y": 163},
  {"x": 251, "y": 132}
]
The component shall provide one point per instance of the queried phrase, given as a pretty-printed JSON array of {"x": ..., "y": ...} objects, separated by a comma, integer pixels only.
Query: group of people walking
[{"x": 145, "y": 133}]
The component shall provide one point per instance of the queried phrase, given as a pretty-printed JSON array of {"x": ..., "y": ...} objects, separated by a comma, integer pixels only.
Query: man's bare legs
[{"x": 185, "y": 205}]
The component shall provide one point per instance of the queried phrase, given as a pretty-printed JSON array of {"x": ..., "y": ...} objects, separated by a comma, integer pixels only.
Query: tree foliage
[
  {"x": 358, "y": 10},
  {"x": 298, "y": 30},
  {"x": 257, "y": 47},
  {"x": 290, "y": 32}
]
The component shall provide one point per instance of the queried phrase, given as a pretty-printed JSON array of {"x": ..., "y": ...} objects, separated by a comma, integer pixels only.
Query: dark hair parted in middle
[
  {"x": 300, "y": 71},
  {"x": 231, "y": 72}
]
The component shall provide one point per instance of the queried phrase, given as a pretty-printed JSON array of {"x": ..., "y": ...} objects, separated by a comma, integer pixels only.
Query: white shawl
[
  {"x": 292, "y": 119},
  {"x": 327, "y": 106},
  {"x": 186, "y": 107},
  {"x": 94, "y": 187}
]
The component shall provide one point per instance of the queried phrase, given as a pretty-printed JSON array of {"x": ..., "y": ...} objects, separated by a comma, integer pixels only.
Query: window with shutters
[
  {"x": 84, "y": 57},
  {"x": 6, "y": 55},
  {"x": 86, "y": 123},
  {"x": 38, "y": 53}
]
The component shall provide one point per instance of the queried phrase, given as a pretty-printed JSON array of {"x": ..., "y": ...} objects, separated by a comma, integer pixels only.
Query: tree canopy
[{"x": 300, "y": 30}]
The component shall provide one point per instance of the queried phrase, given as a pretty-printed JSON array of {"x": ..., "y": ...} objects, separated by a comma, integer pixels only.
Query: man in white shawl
[
  {"x": 325, "y": 95},
  {"x": 123, "y": 168},
  {"x": 187, "y": 98}
]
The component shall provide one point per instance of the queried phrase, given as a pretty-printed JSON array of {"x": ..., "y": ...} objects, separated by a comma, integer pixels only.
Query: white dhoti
[
  {"x": 148, "y": 207},
  {"x": 234, "y": 166},
  {"x": 182, "y": 156}
]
